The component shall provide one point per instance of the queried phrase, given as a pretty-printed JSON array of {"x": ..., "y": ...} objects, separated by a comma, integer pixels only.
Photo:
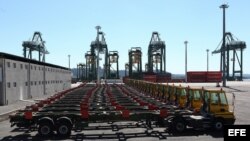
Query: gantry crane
[
  {"x": 233, "y": 47},
  {"x": 113, "y": 59},
  {"x": 135, "y": 62},
  {"x": 36, "y": 44},
  {"x": 99, "y": 46},
  {"x": 81, "y": 71},
  {"x": 156, "y": 54},
  {"x": 90, "y": 66}
]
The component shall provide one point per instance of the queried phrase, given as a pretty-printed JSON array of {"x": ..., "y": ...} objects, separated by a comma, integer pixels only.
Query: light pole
[
  {"x": 207, "y": 59},
  {"x": 223, "y": 65},
  {"x": 69, "y": 61},
  {"x": 186, "y": 42}
]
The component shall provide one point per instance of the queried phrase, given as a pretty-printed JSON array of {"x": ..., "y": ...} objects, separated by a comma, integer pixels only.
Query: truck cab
[
  {"x": 214, "y": 113},
  {"x": 194, "y": 98},
  {"x": 216, "y": 105}
]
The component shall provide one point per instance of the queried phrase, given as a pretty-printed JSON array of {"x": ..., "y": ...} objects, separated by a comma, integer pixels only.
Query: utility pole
[
  {"x": 186, "y": 42},
  {"x": 223, "y": 51},
  {"x": 207, "y": 59}
]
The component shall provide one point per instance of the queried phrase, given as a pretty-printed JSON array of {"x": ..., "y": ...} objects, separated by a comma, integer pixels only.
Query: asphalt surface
[{"x": 242, "y": 113}]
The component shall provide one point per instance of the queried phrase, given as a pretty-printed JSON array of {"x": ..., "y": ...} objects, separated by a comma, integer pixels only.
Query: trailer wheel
[
  {"x": 64, "y": 126},
  {"x": 179, "y": 125},
  {"x": 218, "y": 124},
  {"x": 45, "y": 129},
  {"x": 64, "y": 129}
]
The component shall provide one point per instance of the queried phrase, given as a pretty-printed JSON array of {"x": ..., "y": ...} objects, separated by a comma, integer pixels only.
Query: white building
[{"x": 22, "y": 78}]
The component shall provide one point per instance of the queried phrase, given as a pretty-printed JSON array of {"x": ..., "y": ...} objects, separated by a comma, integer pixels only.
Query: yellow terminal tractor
[{"x": 214, "y": 113}]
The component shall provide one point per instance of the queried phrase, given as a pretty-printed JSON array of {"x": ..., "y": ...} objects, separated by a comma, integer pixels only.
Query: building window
[
  {"x": 8, "y": 84},
  {"x": 35, "y": 82},
  {"x": 39, "y": 68},
  {"x": 30, "y": 66},
  {"x": 14, "y": 65},
  {"x": 8, "y": 64},
  {"x": 26, "y": 67},
  {"x": 39, "y": 82},
  {"x": 21, "y": 66},
  {"x": 26, "y": 83},
  {"x": 35, "y": 67},
  {"x": 31, "y": 83},
  {"x": 14, "y": 84}
]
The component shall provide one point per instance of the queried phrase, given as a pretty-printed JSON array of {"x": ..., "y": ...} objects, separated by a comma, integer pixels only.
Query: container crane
[
  {"x": 36, "y": 44},
  {"x": 113, "y": 59},
  {"x": 90, "y": 66},
  {"x": 81, "y": 71},
  {"x": 236, "y": 47},
  {"x": 156, "y": 54},
  {"x": 135, "y": 62},
  {"x": 100, "y": 46}
]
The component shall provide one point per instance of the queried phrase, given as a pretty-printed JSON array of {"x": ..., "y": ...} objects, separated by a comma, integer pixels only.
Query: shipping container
[
  {"x": 149, "y": 77},
  {"x": 196, "y": 76},
  {"x": 204, "y": 76},
  {"x": 214, "y": 76}
]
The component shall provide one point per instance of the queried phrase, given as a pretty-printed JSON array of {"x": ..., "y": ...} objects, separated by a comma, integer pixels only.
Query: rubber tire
[
  {"x": 218, "y": 124},
  {"x": 179, "y": 126},
  {"x": 45, "y": 129},
  {"x": 64, "y": 129}
]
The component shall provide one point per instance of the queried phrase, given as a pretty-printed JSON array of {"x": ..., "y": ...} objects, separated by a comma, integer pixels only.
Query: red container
[
  {"x": 214, "y": 76},
  {"x": 204, "y": 76},
  {"x": 149, "y": 77},
  {"x": 196, "y": 76}
]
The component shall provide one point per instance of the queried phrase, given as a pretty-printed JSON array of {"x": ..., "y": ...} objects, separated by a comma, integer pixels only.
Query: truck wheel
[
  {"x": 179, "y": 125},
  {"x": 45, "y": 129},
  {"x": 218, "y": 124}
]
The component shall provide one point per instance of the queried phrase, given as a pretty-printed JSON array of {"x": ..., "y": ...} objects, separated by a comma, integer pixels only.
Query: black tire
[
  {"x": 218, "y": 124},
  {"x": 179, "y": 126},
  {"x": 45, "y": 129},
  {"x": 64, "y": 129}
]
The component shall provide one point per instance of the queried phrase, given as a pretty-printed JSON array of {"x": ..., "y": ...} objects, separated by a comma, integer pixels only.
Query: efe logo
[{"x": 237, "y": 132}]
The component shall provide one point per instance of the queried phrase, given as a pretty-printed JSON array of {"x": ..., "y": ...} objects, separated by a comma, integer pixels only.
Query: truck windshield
[
  {"x": 196, "y": 95},
  {"x": 183, "y": 92},
  {"x": 214, "y": 98},
  {"x": 223, "y": 99}
]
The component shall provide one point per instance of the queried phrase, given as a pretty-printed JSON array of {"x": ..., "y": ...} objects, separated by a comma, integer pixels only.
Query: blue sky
[{"x": 68, "y": 27}]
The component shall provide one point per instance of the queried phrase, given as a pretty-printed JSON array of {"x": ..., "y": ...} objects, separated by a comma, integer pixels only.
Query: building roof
[{"x": 19, "y": 58}]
